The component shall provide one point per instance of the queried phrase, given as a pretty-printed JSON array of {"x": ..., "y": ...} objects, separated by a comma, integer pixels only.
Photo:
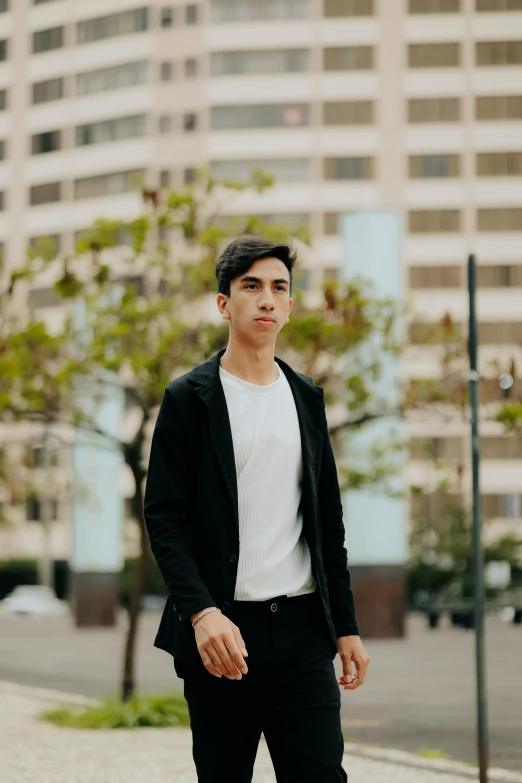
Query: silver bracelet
[{"x": 207, "y": 611}]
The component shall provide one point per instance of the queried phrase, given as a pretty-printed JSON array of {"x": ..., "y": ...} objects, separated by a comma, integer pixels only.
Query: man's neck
[{"x": 254, "y": 365}]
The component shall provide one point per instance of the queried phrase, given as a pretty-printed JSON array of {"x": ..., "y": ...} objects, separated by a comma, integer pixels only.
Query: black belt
[{"x": 280, "y": 604}]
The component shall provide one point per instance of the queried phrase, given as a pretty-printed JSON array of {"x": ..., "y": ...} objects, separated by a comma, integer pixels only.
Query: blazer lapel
[
  {"x": 209, "y": 388},
  {"x": 308, "y": 401}
]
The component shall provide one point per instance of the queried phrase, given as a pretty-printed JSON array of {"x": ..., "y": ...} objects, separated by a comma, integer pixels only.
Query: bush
[
  {"x": 25, "y": 572},
  {"x": 152, "y": 711}
]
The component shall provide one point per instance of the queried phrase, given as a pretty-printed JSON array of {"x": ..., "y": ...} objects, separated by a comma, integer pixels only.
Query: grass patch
[
  {"x": 152, "y": 711},
  {"x": 428, "y": 753}
]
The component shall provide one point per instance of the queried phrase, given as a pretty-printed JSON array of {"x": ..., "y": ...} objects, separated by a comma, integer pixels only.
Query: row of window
[
  {"x": 420, "y": 110},
  {"x": 102, "y": 28},
  {"x": 87, "y": 187},
  {"x": 453, "y": 276},
  {"x": 442, "y": 221},
  {"x": 249, "y": 10},
  {"x": 362, "y": 112},
  {"x": 507, "y": 506},
  {"x": 337, "y": 58},
  {"x": 454, "y": 447},
  {"x": 447, "y": 221},
  {"x": 490, "y": 333},
  {"x": 362, "y": 58},
  {"x": 246, "y": 10}
]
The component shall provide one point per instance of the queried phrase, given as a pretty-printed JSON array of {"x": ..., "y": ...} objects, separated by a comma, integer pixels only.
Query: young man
[{"x": 244, "y": 517}]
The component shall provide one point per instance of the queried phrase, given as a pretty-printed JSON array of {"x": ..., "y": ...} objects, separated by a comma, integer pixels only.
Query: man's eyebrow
[{"x": 251, "y": 279}]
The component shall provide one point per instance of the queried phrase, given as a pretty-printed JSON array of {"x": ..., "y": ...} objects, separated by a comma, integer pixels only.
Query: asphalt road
[{"x": 419, "y": 695}]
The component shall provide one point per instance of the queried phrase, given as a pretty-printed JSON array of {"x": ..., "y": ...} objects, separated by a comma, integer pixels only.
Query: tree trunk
[{"x": 129, "y": 680}]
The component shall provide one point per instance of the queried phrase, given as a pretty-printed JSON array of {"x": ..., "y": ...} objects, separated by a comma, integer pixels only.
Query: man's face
[{"x": 259, "y": 303}]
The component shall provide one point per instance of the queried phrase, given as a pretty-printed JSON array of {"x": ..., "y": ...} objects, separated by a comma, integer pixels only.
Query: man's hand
[
  {"x": 351, "y": 649},
  {"x": 220, "y": 645}
]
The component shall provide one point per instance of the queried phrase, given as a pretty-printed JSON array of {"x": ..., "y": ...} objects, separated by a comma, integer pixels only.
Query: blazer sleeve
[
  {"x": 334, "y": 552},
  {"x": 167, "y": 498}
]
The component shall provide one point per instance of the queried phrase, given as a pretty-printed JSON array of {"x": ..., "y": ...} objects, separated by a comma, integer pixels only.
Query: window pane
[
  {"x": 259, "y": 116},
  {"x": 499, "y": 164},
  {"x": 498, "y": 5},
  {"x": 115, "y": 78},
  {"x": 246, "y": 10},
  {"x": 434, "y": 221},
  {"x": 436, "y": 276},
  {"x": 167, "y": 16},
  {"x": 348, "y": 113},
  {"x": 111, "y": 130},
  {"x": 284, "y": 170},
  {"x": 504, "y": 219},
  {"x": 434, "y": 109},
  {"x": 501, "y": 333},
  {"x": 45, "y": 194},
  {"x": 46, "y": 40},
  {"x": 50, "y": 141},
  {"x": 191, "y": 14},
  {"x": 4, "y": 6},
  {"x": 434, "y": 6},
  {"x": 271, "y": 61},
  {"x": 51, "y": 90},
  {"x": 348, "y": 168},
  {"x": 191, "y": 68},
  {"x": 3, "y": 100},
  {"x": 434, "y": 55},
  {"x": 124, "y": 23},
  {"x": 434, "y": 166},
  {"x": 338, "y": 8},
  {"x": 499, "y": 52},
  {"x": 190, "y": 122},
  {"x": 496, "y": 276},
  {"x": 348, "y": 58},
  {"x": 106, "y": 184},
  {"x": 331, "y": 223},
  {"x": 499, "y": 107},
  {"x": 449, "y": 447}
]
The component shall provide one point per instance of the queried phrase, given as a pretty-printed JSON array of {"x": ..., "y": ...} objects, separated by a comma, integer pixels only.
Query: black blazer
[{"x": 191, "y": 505}]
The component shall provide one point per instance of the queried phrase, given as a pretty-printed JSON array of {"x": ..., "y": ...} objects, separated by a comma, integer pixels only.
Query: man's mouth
[{"x": 265, "y": 319}]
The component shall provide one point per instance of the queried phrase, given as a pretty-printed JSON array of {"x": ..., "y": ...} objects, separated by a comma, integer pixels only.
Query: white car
[{"x": 35, "y": 600}]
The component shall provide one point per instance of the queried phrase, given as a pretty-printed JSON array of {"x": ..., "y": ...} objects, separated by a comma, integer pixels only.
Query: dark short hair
[{"x": 241, "y": 253}]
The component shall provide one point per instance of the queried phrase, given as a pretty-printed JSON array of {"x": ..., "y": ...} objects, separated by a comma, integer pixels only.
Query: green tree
[{"x": 150, "y": 316}]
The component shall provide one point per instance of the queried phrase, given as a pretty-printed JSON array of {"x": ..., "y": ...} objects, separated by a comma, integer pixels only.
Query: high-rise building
[{"x": 411, "y": 105}]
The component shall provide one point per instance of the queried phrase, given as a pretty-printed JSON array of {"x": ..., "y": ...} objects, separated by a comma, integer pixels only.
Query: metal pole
[{"x": 478, "y": 556}]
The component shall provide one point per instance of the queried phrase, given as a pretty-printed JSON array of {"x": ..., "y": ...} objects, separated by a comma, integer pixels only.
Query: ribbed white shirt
[{"x": 274, "y": 558}]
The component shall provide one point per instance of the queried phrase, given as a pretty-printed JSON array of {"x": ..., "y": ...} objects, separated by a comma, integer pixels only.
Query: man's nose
[{"x": 267, "y": 302}]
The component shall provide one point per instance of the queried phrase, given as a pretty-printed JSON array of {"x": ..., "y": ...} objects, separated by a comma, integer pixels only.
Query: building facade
[{"x": 410, "y": 105}]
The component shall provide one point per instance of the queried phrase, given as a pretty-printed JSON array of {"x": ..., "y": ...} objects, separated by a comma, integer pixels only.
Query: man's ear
[{"x": 222, "y": 302}]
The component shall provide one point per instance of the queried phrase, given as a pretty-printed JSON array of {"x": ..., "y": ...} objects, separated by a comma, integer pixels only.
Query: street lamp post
[{"x": 478, "y": 555}]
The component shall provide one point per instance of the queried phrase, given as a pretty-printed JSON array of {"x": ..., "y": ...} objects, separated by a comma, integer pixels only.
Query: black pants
[{"x": 290, "y": 694}]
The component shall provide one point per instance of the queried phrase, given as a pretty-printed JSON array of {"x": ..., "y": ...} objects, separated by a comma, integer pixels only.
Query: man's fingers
[
  {"x": 209, "y": 665},
  {"x": 240, "y": 641},
  {"x": 226, "y": 659},
  {"x": 361, "y": 666}
]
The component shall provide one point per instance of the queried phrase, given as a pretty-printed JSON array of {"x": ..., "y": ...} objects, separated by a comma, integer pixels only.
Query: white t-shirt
[{"x": 274, "y": 558}]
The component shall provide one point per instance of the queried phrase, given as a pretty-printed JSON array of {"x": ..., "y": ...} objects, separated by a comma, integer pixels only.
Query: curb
[
  {"x": 43, "y": 694},
  {"x": 441, "y": 766}
]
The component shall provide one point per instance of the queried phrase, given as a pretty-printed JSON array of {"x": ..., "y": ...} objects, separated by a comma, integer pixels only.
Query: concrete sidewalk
[{"x": 32, "y": 751}]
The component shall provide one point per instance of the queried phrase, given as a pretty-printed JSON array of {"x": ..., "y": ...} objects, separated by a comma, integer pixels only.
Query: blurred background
[{"x": 389, "y": 133}]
